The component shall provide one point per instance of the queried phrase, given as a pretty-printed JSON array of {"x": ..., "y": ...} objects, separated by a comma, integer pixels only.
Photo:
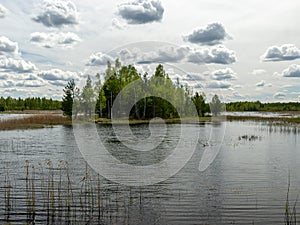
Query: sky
[{"x": 242, "y": 51}]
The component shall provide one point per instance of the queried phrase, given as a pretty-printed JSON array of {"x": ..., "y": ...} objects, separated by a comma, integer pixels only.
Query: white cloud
[
  {"x": 49, "y": 40},
  {"x": 224, "y": 74},
  {"x": 57, "y": 13},
  {"x": 262, "y": 83},
  {"x": 31, "y": 83},
  {"x": 99, "y": 59},
  {"x": 141, "y": 11},
  {"x": 3, "y": 11},
  {"x": 258, "y": 72},
  {"x": 281, "y": 53},
  {"x": 218, "y": 55},
  {"x": 212, "y": 34},
  {"x": 8, "y": 47},
  {"x": 57, "y": 74},
  {"x": 171, "y": 54},
  {"x": 291, "y": 71},
  {"x": 219, "y": 85},
  {"x": 279, "y": 95},
  {"x": 117, "y": 24},
  {"x": 16, "y": 65}
]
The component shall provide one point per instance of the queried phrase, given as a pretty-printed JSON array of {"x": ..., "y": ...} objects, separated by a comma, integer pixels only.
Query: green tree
[
  {"x": 67, "y": 101},
  {"x": 199, "y": 102},
  {"x": 88, "y": 97}
]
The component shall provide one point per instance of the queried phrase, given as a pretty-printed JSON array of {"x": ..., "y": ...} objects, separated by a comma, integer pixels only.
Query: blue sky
[{"x": 241, "y": 51}]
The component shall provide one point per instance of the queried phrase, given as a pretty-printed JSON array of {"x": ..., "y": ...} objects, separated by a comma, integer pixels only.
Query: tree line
[
  {"x": 30, "y": 103},
  {"x": 152, "y": 96},
  {"x": 258, "y": 106}
]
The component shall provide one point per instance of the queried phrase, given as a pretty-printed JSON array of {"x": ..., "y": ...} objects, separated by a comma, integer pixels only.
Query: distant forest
[
  {"x": 258, "y": 106},
  {"x": 9, "y": 103}
]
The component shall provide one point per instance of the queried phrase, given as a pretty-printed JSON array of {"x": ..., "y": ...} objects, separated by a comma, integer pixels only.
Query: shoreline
[{"x": 44, "y": 119}]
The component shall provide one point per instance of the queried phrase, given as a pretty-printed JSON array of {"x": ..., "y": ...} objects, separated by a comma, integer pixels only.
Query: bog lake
[{"x": 247, "y": 183}]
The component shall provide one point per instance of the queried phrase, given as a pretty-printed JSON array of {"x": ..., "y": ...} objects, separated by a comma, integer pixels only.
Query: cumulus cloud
[
  {"x": 57, "y": 75},
  {"x": 193, "y": 77},
  {"x": 16, "y": 65},
  {"x": 218, "y": 85},
  {"x": 50, "y": 40},
  {"x": 281, "y": 53},
  {"x": 141, "y": 11},
  {"x": 258, "y": 72},
  {"x": 212, "y": 34},
  {"x": 8, "y": 47},
  {"x": 30, "y": 83},
  {"x": 262, "y": 83},
  {"x": 6, "y": 83},
  {"x": 57, "y": 13},
  {"x": 291, "y": 71},
  {"x": 99, "y": 59},
  {"x": 3, "y": 11},
  {"x": 224, "y": 74},
  {"x": 117, "y": 24},
  {"x": 58, "y": 83},
  {"x": 279, "y": 95},
  {"x": 163, "y": 55},
  {"x": 218, "y": 55},
  {"x": 3, "y": 77}
]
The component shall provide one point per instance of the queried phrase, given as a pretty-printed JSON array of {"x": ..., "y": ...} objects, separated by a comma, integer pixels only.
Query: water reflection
[{"x": 246, "y": 183}]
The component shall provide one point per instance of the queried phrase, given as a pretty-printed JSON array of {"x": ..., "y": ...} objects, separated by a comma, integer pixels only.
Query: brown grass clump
[{"x": 35, "y": 121}]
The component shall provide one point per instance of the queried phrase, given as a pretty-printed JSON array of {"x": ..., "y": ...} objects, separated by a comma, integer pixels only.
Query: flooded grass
[
  {"x": 52, "y": 197},
  {"x": 34, "y": 121}
]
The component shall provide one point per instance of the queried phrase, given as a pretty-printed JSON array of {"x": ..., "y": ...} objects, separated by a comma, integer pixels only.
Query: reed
[{"x": 35, "y": 121}]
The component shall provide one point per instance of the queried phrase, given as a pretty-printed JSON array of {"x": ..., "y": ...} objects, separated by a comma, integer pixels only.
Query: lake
[{"x": 247, "y": 182}]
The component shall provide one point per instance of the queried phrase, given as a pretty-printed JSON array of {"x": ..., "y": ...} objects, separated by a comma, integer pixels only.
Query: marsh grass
[
  {"x": 51, "y": 197},
  {"x": 290, "y": 215},
  {"x": 34, "y": 121}
]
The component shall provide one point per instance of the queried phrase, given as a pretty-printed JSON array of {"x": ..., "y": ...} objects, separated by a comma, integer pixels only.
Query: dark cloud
[
  {"x": 3, "y": 11},
  {"x": 141, "y": 11},
  {"x": 224, "y": 74},
  {"x": 212, "y": 34},
  {"x": 57, "y": 13},
  {"x": 283, "y": 53},
  {"x": 292, "y": 71},
  {"x": 219, "y": 85},
  {"x": 16, "y": 65},
  {"x": 49, "y": 40},
  {"x": 217, "y": 55},
  {"x": 8, "y": 47}
]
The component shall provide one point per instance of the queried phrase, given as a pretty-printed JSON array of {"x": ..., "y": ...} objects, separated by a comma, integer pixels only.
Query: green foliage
[
  {"x": 9, "y": 103},
  {"x": 215, "y": 105},
  {"x": 258, "y": 106},
  {"x": 67, "y": 101}
]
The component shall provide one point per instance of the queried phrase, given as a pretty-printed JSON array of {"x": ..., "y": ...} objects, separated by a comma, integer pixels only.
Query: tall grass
[{"x": 50, "y": 196}]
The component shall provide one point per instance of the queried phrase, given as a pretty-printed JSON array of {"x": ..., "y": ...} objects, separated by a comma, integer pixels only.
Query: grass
[
  {"x": 146, "y": 121},
  {"x": 269, "y": 119},
  {"x": 35, "y": 121}
]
